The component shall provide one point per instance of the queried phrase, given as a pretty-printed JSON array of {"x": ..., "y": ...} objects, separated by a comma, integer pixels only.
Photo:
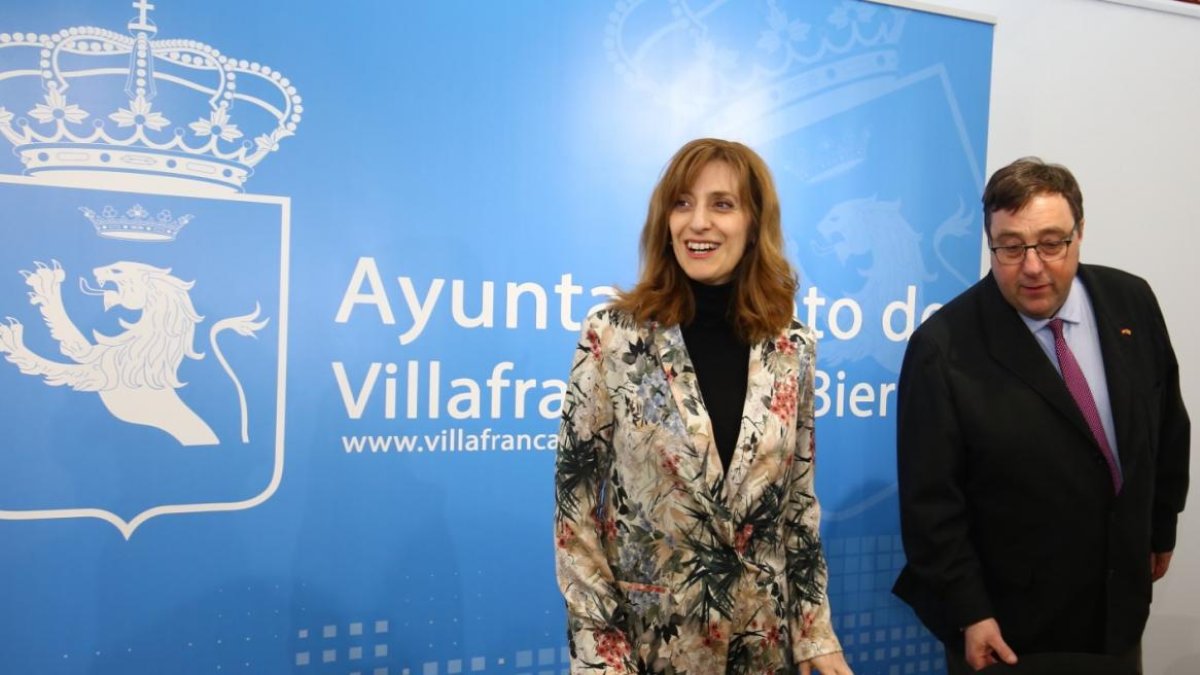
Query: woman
[{"x": 686, "y": 524}]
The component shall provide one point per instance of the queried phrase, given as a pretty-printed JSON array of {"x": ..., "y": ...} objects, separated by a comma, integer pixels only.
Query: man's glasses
[{"x": 1048, "y": 251}]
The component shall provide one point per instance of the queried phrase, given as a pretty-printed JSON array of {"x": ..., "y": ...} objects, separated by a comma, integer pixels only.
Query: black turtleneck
[{"x": 722, "y": 363}]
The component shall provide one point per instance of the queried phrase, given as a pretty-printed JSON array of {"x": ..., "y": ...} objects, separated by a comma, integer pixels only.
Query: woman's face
[{"x": 709, "y": 226}]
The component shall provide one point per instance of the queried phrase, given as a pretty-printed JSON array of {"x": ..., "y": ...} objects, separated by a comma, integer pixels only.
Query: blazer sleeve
[
  {"x": 810, "y": 622},
  {"x": 930, "y": 467},
  {"x": 1174, "y": 446},
  {"x": 597, "y": 641}
]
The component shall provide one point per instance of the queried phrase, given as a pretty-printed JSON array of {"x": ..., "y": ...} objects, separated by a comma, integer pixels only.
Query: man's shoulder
[
  {"x": 958, "y": 314},
  {"x": 1109, "y": 285},
  {"x": 1111, "y": 277}
]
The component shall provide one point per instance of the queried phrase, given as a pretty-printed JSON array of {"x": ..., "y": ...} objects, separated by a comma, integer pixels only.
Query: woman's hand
[{"x": 826, "y": 664}]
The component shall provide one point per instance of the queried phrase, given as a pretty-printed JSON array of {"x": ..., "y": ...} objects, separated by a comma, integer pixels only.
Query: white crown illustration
[
  {"x": 728, "y": 64},
  {"x": 107, "y": 106},
  {"x": 136, "y": 224}
]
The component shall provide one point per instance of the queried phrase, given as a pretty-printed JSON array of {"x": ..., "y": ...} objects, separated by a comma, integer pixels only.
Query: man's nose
[{"x": 1032, "y": 263}]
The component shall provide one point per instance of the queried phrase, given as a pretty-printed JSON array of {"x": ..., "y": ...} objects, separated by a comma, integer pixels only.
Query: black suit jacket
[{"x": 1007, "y": 508}]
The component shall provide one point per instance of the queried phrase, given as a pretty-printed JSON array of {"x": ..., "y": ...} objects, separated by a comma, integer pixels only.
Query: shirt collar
[{"x": 1071, "y": 311}]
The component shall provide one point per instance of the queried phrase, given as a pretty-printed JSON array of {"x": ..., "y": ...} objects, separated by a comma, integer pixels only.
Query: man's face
[{"x": 1036, "y": 288}]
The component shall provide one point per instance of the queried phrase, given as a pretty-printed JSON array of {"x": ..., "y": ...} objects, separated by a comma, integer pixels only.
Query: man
[{"x": 1042, "y": 443}]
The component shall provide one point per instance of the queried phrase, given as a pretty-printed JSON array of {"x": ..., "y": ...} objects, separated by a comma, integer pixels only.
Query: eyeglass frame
[{"x": 1066, "y": 244}]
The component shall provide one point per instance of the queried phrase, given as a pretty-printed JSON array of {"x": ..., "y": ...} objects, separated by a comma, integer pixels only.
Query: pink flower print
[
  {"x": 606, "y": 527},
  {"x": 613, "y": 647},
  {"x": 712, "y": 636},
  {"x": 807, "y": 623},
  {"x": 785, "y": 346},
  {"x": 594, "y": 343},
  {"x": 783, "y": 401},
  {"x": 671, "y": 463},
  {"x": 565, "y": 535},
  {"x": 771, "y": 637}
]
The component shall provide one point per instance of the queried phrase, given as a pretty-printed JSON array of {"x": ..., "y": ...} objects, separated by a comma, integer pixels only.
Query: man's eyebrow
[{"x": 1059, "y": 231}]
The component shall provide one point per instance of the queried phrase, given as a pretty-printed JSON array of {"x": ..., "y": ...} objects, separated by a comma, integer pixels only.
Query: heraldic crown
[
  {"x": 136, "y": 224},
  {"x": 747, "y": 65},
  {"x": 176, "y": 113}
]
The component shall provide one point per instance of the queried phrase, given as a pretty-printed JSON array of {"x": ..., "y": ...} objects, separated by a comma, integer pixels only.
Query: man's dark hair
[{"x": 1012, "y": 187}]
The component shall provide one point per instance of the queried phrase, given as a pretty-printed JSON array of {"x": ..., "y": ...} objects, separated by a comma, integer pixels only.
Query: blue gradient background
[{"x": 469, "y": 141}]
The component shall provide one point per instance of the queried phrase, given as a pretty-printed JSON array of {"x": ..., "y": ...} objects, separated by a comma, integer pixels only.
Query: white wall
[{"x": 1113, "y": 92}]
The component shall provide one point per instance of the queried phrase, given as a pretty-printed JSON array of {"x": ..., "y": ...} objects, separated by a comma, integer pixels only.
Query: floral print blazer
[{"x": 668, "y": 563}]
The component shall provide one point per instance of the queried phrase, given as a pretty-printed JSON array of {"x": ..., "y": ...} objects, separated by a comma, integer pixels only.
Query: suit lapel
[
  {"x": 1013, "y": 346},
  {"x": 701, "y": 465},
  {"x": 761, "y": 384},
  {"x": 1116, "y": 348}
]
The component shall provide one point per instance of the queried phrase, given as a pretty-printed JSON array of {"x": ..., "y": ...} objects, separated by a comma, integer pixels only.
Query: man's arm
[
  {"x": 932, "y": 475},
  {"x": 1172, "y": 454}
]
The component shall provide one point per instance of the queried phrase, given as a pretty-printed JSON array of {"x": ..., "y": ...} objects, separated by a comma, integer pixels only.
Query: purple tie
[{"x": 1078, "y": 386}]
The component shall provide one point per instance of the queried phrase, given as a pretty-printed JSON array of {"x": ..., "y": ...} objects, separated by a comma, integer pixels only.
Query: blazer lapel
[
  {"x": 1117, "y": 350},
  {"x": 1013, "y": 346},
  {"x": 761, "y": 384},
  {"x": 701, "y": 465}
]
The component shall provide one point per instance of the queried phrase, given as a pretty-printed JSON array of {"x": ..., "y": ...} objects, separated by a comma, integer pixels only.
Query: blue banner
[{"x": 291, "y": 293}]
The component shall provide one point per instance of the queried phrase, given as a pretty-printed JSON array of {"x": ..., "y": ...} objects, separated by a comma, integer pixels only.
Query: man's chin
[{"x": 1038, "y": 310}]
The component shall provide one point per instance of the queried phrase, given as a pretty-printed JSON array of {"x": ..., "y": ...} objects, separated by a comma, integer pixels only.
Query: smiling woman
[
  {"x": 686, "y": 526},
  {"x": 709, "y": 226},
  {"x": 714, "y": 192}
]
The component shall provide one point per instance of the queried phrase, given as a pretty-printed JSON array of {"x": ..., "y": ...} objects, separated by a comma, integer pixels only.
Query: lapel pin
[{"x": 1126, "y": 332}]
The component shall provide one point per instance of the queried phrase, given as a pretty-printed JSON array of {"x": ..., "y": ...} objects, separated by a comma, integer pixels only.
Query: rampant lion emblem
[
  {"x": 135, "y": 372},
  {"x": 876, "y": 233}
]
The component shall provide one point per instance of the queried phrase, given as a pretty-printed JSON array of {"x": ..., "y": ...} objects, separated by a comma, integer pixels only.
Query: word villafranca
[{"x": 423, "y": 393}]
